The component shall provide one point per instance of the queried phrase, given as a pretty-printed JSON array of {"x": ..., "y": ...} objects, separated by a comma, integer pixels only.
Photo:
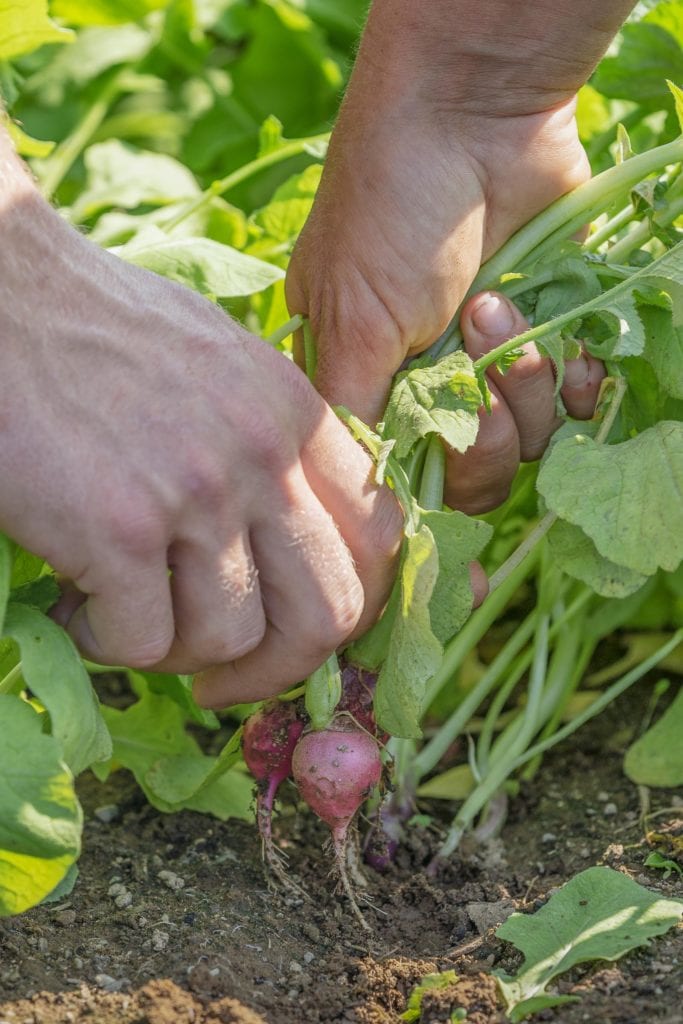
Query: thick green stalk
[
  {"x": 560, "y": 221},
  {"x": 434, "y": 750},
  {"x": 61, "y": 160},
  {"x": 433, "y": 475}
]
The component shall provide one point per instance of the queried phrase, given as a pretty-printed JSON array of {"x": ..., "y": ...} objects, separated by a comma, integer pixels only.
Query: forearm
[{"x": 475, "y": 57}]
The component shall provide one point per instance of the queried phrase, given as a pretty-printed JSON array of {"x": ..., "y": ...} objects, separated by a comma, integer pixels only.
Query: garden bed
[{"x": 225, "y": 948}]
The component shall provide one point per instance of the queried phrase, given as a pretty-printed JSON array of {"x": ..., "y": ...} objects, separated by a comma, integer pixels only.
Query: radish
[
  {"x": 268, "y": 741},
  {"x": 335, "y": 769},
  {"x": 358, "y": 687}
]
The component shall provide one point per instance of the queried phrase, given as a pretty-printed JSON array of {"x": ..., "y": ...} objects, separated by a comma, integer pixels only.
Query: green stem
[
  {"x": 62, "y": 159},
  {"x": 603, "y": 234},
  {"x": 292, "y": 325},
  {"x": 310, "y": 351},
  {"x": 561, "y": 220},
  {"x": 291, "y": 149},
  {"x": 520, "y": 553},
  {"x": 622, "y": 249},
  {"x": 603, "y": 701},
  {"x": 9, "y": 682},
  {"x": 434, "y": 750},
  {"x": 433, "y": 475}
]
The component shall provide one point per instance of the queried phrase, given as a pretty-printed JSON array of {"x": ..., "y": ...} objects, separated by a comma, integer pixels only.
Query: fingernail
[
  {"x": 493, "y": 316},
  {"x": 576, "y": 372}
]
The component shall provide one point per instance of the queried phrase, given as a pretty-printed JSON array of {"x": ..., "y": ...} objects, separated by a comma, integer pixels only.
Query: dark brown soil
[{"x": 131, "y": 946}]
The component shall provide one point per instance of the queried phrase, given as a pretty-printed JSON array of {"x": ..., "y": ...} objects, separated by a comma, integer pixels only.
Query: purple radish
[
  {"x": 268, "y": 741},
  {"x": 358, "y": 688},
  {"x": 335, "y": 769}
]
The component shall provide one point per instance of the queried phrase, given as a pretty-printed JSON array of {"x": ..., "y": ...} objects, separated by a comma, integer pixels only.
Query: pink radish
[
  {"x": 268, "y": 741},
  {"x": 335, "y": 770}
]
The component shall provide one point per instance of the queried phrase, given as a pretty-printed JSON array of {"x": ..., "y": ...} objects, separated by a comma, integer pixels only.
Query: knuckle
[
  {"x": 146, "y": 653},
  {"x": 242, "y": 640},
  {"x": 134, "y": 526},
  {"x": 336, "y": 620},
  {"x": 204, "y": 478}
]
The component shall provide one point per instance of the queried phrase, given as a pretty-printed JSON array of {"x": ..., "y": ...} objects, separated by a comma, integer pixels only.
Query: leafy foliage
[{"x": 598, "y": 915}]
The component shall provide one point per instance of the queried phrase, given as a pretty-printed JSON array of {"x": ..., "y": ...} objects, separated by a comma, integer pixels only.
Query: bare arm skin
[
  {"x": 457, "y": 127},
  {"x": 142, "y": 431}
]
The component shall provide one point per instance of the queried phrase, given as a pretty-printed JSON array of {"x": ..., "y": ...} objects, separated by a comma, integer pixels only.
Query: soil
[{"x": 172, "y": 922}]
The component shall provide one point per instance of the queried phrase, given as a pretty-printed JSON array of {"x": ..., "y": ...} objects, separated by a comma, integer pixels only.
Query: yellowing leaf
[{"x": 25, "y": 26}]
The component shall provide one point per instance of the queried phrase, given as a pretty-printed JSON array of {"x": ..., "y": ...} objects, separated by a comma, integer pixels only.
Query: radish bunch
[{"x": 335, "y": 768}]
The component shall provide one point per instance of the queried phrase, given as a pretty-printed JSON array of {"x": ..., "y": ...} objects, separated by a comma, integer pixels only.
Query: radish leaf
[{"x": 598, "y": 915}]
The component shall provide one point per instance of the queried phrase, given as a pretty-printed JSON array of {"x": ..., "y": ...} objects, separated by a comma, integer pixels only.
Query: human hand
[
  {"x": 523, "y": 408},
  {"x": 419, "y": 188},
  {"x": 143, "y": 431}
]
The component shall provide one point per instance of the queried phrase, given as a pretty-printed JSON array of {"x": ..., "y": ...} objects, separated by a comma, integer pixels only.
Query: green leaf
[
  {"x": 64, "y": 888},
  {"x": 443, "y": 399},
  {"x": 414, "y": 652},
  {"x": 6, "y": 558},
  {"x": 41, "y": 593},
  {"x": 664, "y": 346},
  {"x": 285, "y": 68},
  {"x": 575, "y": 281},
  {"x": 178, "y": 689},
  {"x": 179, "y": 782},
  {"x": 459, "y": 541},
  {"x": 454, "y": 784},
  {"x": 598, "y": 915},
  {"x": 118, "y": 175},
  {"x": 656, "y": 860},
  {"x": 200, "y": 263},
  {"x": 626, "y": 497},
  {"x": 40, "y": 817},
  {"x": 94, "y": 51},
  {"x": 575, "y": 553},
  {"x": 52, "y": 668},
  {"x": 104, "y": 12},
  {"x": 656, "y": 758},
  {"x": 147, "y": 731},
  {"x": 24, "y": 26},
  {"x": 429, "y": 983},
  {"x": 678, "y": 102},
  {"x": 648, "y": 54}
]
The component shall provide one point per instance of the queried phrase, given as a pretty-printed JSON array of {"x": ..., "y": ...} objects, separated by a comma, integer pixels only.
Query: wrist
[{"x": 462, "y": 58}]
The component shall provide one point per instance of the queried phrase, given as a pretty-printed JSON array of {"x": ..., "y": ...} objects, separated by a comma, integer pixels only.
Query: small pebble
[
  {"x": 548, "y": 837},
  {"x": 159, "y": 940},
  {"x": 585, "y": 852},
  {"x": 609, "y": 810},
  {"x": 123, "y": 900},
  {"x": 294, "y": 967},
  {"x": 66, "y": 918},
  {"x": 170, "y": 879},
  {"x": 108, "y": 983},
  {"x": 602, "y": 796},
  {"x": 308, "y": 957},
  {"x": 117, "y": 889},
  {"x": 107, "y": 813}
]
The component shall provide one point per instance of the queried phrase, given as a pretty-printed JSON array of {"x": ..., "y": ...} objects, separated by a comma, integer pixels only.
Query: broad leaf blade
[
  {"x": 40, "y": 817},
  {"x": 626, "y": 497},
  {"x": 656, "y": 759},
  {"x": 414, "y": 652},
  {"x": 598, "y": 915},
  {"x": 54, "y": 671}
]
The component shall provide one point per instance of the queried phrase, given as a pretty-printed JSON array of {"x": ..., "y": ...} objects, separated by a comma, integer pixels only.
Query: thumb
[{"x": 358, "y": 346}]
